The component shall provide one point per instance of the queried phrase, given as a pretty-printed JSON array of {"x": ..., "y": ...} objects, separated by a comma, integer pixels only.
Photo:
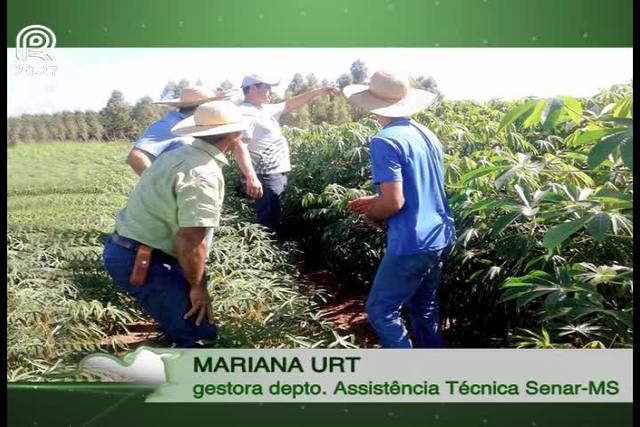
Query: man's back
[
  {"x": 408, "y": 152},
  {"x": 158, "y": 138},
  {"x": 178, "y": 189}
]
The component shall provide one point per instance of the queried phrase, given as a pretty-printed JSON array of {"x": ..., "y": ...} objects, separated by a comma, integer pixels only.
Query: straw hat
[
  {"x": 389, "y": 95},
  {"x": 212, "y": 118},
  {"x": 195, "y": 95}
]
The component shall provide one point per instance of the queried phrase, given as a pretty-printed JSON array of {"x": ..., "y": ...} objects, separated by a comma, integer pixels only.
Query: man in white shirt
[
  {"x": 158, "y": 138},
  {"x": 268, "y": 147}
]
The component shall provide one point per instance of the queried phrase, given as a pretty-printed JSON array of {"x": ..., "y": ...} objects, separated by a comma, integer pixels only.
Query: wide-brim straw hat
[
  {"x": 212, "y": 118},
  {"x": 389, "y": 95},
  {"x": 196, "y": 95}
]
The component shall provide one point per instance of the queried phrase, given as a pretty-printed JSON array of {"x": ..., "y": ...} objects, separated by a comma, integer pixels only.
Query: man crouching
[{"x": 163, "y": 236}]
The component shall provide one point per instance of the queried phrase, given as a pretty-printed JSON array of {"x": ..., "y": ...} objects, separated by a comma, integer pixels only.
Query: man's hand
[
  {"x": 361, "y": 205},
  {"x": 190, "y": 247},
  {"x": 200, "y": 304},
  {"x": 254, "y": 187},
  {"x": 252, "y": 183}
]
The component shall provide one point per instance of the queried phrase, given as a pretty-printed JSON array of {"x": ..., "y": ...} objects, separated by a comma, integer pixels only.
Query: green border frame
[
  {"x": 122, "y": 405},
  {"x": 311, "y": 23},
  {"x": 328, "y": 23}
]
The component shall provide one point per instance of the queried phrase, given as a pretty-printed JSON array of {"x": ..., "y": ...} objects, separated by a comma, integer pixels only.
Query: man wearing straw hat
[
  {"x": 408, "y": 173},
  {"x": 267, "y": 145},
  {"x": 158, "y": 139},
  {"x": 157, "y": 253}
]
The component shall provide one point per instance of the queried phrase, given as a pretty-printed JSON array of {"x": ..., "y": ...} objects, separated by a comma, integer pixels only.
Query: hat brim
[
  {"x": 415, "y": 101},
  {"x": 178, "y": 103},
  {"x": 188, "y": 127},
  {"x": 270, "y": 83}
]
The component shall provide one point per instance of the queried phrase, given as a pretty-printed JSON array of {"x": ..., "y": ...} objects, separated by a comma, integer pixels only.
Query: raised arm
[{"x": 304, "y": 98}]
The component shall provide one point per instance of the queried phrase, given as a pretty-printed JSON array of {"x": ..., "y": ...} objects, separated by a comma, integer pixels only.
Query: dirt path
[{"x": 345, "y": 306}]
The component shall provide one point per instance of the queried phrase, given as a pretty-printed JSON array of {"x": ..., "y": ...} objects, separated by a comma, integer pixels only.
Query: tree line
[{"x": 119, "y": 120}]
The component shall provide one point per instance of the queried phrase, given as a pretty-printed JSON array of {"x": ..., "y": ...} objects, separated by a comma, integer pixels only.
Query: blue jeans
[
  {"x": 164, "y": 295},
  {"x": 269, "y": 206},
  {"x": 411, "y": 280}
]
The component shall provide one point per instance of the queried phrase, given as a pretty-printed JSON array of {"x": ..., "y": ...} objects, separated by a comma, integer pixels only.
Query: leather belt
[{"x": 125, "y": 242}]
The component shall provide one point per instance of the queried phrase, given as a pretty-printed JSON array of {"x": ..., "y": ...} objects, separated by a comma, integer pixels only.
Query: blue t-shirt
[
  {"x": 400, "y": 153},
  {"x": 158, "y": 137}
]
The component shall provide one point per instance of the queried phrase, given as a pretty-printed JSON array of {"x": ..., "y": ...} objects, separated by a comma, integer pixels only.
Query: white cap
[{"x": 254, "y": 79}]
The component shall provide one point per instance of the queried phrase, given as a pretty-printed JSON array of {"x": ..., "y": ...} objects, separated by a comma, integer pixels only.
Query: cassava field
[{"x": 542, "y": 193}]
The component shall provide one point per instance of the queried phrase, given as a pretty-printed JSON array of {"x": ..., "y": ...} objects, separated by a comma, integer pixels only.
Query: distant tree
[
  {"x": 144, "y": 113},
  {"x": 56, "y": 127},
  {"x": 199, "y": 82},
  {"x": 116, "y": 118},
  {"x": 310, "y": 83},
  {"x": 183, "y": 84},
  {"x": 70, "y": 126},
  {"x": 170, "y": 91},
  {"x": 296, "y": 87},
  {"x": 96, "y": 130},
  {"x": 427, "y": 83},
  {"x": 358, "y": 71},
  {"x": 81, "y": 125},
  {"x": 299, "y": 118},
  {"x": 338, "y": 111},
  {"x": 41, "y": 132},
  {"x": 14, "y": 125},
  {"x": 225, "y": 85},
  {"x": 276, "y": 99},
  {"x": 344, "y": 80}
]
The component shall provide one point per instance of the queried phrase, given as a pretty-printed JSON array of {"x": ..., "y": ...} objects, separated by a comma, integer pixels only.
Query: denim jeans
[
  {"x": 164, "y": 295},
  {"x": 411, "y": 280},
  {"x": 269, "y": 206}
]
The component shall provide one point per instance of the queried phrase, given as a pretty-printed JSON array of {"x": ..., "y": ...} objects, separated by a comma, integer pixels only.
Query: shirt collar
[
  {"x": 248, "y": 104},
  {"x": 176, "y": 114},
  {"x": 211, "y": 150},
  {"x": 396, "y": 122}
]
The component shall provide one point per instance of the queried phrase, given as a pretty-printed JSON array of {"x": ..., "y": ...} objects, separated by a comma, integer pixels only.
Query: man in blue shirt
[
  {"x": 158, "y": 137},
  {"x": 408, "y": 173}
]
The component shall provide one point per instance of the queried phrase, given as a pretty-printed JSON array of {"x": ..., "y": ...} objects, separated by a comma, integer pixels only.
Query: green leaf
[
  {"x": 601, "y": 151},
  {"x": 503, "y": 222},
  {"x": 608, "y": 193},
  {"x": 516, "y": 113},
  {"x": 551, "y": 113},
  {"x": 477, "y": 173},
  {"x": 599, "y": 225},
  {"x": 623, "y": 107},
  {"x": 624, "y": 317},
  {"x": 534, "y": 117},
  {"x": 554, "y": 298},
  {"x": 558, "y": 234},
  {"x": 593, "y": 134},
  {"x": 505, "y": 177},
  {"x": 626, "y": 151},
  {"x": 487, "y": 204},
  {"x": 573, "y": 108}
]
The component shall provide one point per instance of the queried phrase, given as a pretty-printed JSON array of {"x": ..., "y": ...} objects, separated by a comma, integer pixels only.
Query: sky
[{"x": 85, "y": 77}]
